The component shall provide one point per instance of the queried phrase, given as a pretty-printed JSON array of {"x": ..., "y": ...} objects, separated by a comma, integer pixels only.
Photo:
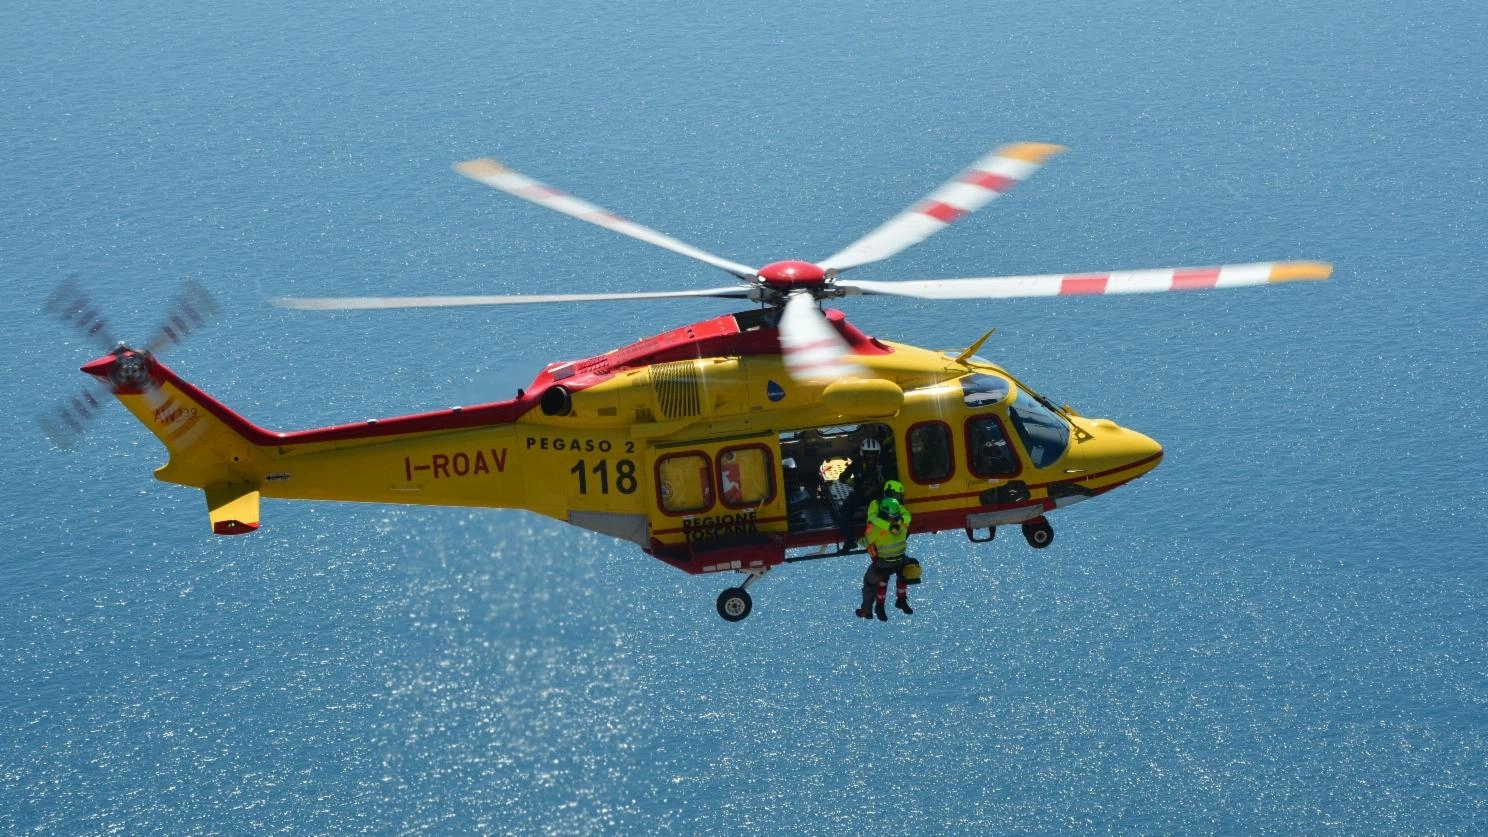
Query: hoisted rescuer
[{"x": 887, "y": 538}]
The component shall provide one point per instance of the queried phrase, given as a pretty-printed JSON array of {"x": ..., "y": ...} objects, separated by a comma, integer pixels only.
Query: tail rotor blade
[
  {"x": 497, "y": 176},
  {"x": 812, "y": 350},
  {"x": 72, "y": 305},
  {"x": 67, "y": 421},
  {"x": 988, "y": 178},
  {"x": 194, "y": 308}
]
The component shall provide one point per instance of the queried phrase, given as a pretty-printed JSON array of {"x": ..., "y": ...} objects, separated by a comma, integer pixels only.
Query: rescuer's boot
[
  {"x": 880, "y": 612},
  {"x": 903, "y": 604},
  {"x": 864, "y": 612}
]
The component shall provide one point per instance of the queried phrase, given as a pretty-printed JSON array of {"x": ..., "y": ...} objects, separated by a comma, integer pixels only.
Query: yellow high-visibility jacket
[{"x": 887, "y": 542}]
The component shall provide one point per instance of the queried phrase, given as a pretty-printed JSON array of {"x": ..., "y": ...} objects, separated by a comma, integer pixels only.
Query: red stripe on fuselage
[
  {"x": 718, "y": 337},
  {"x": 1038, "y": 485},
  {"x": 504, "y": 412},
  {"x": 680, "y": 529}
]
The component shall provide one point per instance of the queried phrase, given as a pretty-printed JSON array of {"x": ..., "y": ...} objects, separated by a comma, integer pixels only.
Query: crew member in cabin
[
  {"x": 887, "y": 537},
  {"x": 866, "y": 476}
]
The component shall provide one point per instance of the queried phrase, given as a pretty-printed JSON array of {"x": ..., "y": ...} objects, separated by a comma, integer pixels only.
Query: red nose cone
[{"x": 789, "y": 275}]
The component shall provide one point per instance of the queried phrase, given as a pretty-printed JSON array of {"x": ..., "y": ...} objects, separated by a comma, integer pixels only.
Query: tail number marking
[
  {"x": 458, "y": 464},
  {"x": 625, "y": 478}
]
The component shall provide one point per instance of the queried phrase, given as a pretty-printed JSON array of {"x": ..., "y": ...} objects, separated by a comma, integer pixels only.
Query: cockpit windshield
[{"x": 1045, "y": 435}]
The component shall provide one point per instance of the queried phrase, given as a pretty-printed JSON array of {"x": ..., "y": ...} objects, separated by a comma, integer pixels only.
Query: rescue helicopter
[{"x": 717, "y": 447}]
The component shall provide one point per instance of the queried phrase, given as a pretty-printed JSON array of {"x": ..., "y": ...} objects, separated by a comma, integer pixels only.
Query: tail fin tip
[{"x": 233, "y": 508}]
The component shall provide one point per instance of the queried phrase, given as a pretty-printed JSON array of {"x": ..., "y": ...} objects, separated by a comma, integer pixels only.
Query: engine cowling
[{"x": 863, "y": 398}]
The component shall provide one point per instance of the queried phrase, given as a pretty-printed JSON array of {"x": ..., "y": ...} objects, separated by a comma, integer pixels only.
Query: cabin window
[
  {"x": 1045, "y": 436},
  {"x": 930, "y": 452},
  {"x": 988, "y": 449},
  {"x": 684, "y": 483},
  {"x": 746, "y": 476}
]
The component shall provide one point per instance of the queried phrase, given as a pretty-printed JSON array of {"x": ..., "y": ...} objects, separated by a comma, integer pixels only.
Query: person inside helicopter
[{"x": 866, "y": 477}]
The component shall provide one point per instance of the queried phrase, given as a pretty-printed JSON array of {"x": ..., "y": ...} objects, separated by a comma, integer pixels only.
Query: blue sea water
[{"x": 1281, "y": 630}]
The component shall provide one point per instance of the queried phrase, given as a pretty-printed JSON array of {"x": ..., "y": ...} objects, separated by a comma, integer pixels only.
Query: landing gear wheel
[
  {"x": 1039, "y": 533},
  {"x": 734, "y": 604}
]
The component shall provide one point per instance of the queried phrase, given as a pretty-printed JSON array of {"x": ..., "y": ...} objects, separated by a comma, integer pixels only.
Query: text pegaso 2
[
  {"x": 576, "y": 444},
  {"x": 598, "y": 476}
]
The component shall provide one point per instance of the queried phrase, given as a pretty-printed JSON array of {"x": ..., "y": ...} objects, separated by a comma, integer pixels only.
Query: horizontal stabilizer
[{"x": 233, "y": 508}]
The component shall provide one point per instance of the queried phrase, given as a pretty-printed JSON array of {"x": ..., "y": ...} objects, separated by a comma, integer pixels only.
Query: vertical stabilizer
[{"x": 208, "y": 443}]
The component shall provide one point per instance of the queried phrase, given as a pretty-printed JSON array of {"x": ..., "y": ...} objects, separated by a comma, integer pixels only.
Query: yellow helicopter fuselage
[{"x": 695, "y": 444}]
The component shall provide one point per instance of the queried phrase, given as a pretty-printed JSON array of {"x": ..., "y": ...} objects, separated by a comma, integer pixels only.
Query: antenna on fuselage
[{"x": 972, "y": 349}]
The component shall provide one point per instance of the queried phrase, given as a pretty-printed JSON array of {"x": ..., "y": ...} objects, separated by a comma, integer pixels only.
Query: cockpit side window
[
  {"x": 988, "y": 449},
  {"x": 1044, "y": 435}
]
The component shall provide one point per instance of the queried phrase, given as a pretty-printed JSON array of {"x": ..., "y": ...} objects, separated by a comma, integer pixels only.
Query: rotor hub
[
  {"x": 126, "y": 370},
  {"x": 787, "y": 276}
]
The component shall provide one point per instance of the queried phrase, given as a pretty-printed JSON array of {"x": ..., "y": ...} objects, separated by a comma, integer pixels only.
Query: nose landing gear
[{"x": 1038, "y": 533}]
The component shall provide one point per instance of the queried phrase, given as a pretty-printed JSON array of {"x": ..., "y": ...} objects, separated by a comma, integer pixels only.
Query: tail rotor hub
[
  {"x": 125, "y": 370},
  {"x": 130, "y": 372}
]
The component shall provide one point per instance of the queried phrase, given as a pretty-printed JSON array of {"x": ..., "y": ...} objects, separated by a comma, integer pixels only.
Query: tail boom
[{"x": 458, "y": 456}]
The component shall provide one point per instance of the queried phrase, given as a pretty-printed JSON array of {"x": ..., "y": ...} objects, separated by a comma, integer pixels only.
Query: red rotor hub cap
[{"x": 790, "y": 276}]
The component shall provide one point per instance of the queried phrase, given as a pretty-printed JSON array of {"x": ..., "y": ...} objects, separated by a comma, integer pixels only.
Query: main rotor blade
[
  {"x": 991, "y": 176},
  {"x": 812, "y": 350},
  {"x": 1115, "y": 282},
  {"x": 363, "y": 303},
  {"x": 497, "y": 176}
]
